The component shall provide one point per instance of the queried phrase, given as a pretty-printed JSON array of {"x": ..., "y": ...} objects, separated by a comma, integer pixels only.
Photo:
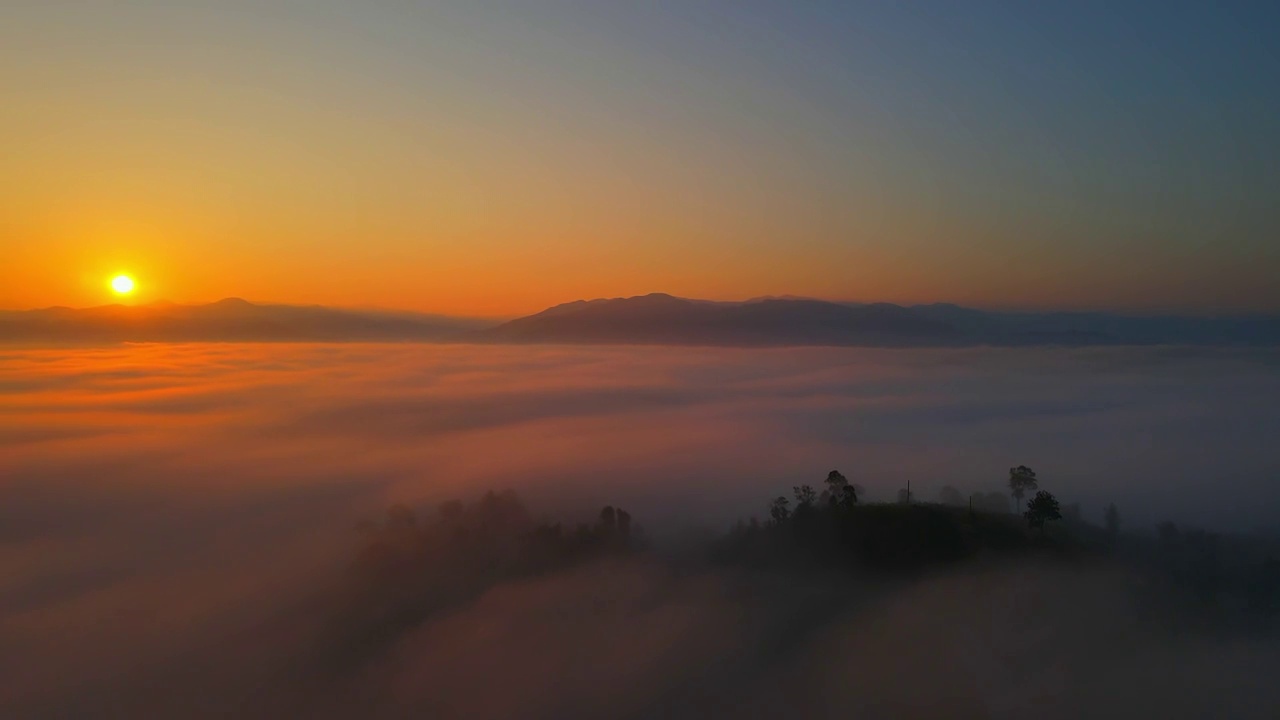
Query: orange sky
[{"x": 469, "y": 161}]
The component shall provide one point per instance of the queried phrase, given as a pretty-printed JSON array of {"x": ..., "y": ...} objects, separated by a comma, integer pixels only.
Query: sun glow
[{"x": 122, "y": 284}]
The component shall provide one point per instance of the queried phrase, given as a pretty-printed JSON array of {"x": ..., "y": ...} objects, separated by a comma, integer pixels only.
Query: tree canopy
[
  {"x": 1042, "y": 508},
  {"x": 1021, "y": 479}
]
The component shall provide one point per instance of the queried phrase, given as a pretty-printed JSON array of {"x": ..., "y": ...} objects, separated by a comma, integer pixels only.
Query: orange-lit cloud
[{"x": 198, "y": 495}]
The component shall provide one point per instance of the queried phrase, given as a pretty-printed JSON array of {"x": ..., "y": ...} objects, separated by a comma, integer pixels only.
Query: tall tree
[
  {"x": 1021, "y": 479},
  {"x": 778, "y": 510}
]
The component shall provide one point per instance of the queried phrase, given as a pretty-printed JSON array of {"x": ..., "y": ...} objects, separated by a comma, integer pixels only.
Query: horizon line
[{"x": 1116, "y": 311}]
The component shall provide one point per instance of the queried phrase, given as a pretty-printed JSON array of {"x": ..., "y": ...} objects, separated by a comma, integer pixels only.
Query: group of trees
[
  {"x": 474, "y": 544},
  {"x": 907, "y": 533},
  {"x": 1041, "y": 508},
  {"x": 412, "y": 564},
  {"x": 838, "y": 494},
  {"x": 835, "y": 525},
  {"x": 495, "y": 531}
]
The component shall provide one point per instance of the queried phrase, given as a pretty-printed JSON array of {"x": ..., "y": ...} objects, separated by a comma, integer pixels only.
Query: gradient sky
[{"x": 486, "y": 157}]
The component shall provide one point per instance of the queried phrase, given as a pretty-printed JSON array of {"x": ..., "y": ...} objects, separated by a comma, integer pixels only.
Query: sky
[{"x": 494, "y": 158}]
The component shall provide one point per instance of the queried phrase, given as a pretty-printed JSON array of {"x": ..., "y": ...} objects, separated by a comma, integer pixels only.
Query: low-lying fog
[{"x": 164, "y": 510}]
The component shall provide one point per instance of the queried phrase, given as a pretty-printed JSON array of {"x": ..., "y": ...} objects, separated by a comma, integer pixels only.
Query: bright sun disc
[{"x": 122, "y": 284}]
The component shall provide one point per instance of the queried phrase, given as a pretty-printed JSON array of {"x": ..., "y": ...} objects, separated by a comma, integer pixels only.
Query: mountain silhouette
[
  {"x": 655, "y": 319},
  {"x": 1101, "y": 328},
  {"x": 228, "y": 320},
  {"x": 663, "y": 319},
  {"x": 788, "y": 320}
]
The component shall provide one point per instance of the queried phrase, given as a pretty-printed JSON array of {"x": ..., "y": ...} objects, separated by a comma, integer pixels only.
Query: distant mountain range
[
  {"x": 667, "y": 320},
  {"x": 655, "y": 319},
  {"x": 230, "y": 320}
]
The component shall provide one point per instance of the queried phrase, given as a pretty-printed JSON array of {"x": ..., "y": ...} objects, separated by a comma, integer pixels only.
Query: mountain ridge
[
  {"x": 652, "y": 319},
  {"x": 227, "y": 320},
  {"x": 659, "y": 318}
]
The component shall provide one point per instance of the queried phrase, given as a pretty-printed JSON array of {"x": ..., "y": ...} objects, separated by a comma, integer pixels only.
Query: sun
[{"x": 122, "y": 284}]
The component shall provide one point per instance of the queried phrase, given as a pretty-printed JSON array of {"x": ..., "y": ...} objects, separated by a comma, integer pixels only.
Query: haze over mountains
[
  {"x": 229, "y": 320},
  {"x": 663, "y": 319},
  {"x": 655, "y": 319}
]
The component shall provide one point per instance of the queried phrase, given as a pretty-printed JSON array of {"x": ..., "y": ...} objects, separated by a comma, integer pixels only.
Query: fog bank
[{"x": 174, "y": 520}]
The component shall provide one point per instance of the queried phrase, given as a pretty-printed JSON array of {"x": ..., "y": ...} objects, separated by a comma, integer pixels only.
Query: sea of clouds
[{"x": 169, "y": 512}]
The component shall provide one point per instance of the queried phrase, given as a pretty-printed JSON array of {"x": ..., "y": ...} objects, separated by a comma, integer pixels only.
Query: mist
[
  {"x": 176, "y": 524},
  {"x": 1166, "y": 433}
]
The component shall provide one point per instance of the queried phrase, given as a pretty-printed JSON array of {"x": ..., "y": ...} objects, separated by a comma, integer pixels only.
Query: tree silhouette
[
  {"x": 848, "y": 497},
  {"x": 778, "y": 510},
  {"x": 1041, "y": 508},
  {"x": 806, "y": 496},
  {"x": 836, "y": 484},
  {"x": 1021, "y": 479}
]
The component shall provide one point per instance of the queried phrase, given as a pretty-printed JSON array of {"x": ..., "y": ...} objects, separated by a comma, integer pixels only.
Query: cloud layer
[
  {"x": 168, "y": 512},
  {"x": 1165, "y": 432}
]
